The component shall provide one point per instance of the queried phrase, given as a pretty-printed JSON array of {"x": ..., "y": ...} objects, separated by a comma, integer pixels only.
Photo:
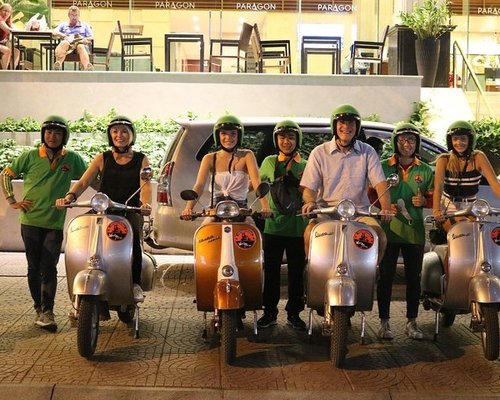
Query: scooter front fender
[
  {"x": 90, "y": 282},
  {"x": 484, "y": 288},
  {"x": 228, "y": 295},
  {"x": 340, "y": 291}
]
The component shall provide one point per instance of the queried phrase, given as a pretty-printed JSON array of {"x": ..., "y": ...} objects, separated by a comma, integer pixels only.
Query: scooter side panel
[
  {"x": 336, "y": 242},
  {"x": 462, "y": 252},
  {"x": 248, "y": 257},
  {"x": 114, "y": 250},
  {"x": 148, "y": 273}
]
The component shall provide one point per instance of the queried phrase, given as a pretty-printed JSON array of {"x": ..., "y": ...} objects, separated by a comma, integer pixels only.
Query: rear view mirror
[
  {"x": 393, "y": 180},
  {"x": 188, "y": 195}
]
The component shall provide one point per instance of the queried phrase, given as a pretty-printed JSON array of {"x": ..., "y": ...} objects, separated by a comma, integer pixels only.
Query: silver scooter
[
  {"x": 471, "y": 281},
  {"x": 341, "y": 271},
  {"x": 98, "y": 257}
]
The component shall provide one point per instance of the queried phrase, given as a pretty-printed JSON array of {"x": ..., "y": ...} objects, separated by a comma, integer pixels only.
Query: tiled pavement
[{"x": 171, "y": 360}]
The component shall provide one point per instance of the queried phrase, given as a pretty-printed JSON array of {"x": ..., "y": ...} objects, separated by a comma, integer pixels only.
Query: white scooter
[{"x": 98, "y": 257}]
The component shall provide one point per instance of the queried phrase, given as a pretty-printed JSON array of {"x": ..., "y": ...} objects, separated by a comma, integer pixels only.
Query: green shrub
[{"x": 153, "y": 137}]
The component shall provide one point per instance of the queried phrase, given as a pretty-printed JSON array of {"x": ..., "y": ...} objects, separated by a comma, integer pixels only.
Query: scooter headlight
[
  {"x": 480, "y": 208},
  {"x": 346, "y": 208},
  {"x": 227, "y": 209},
  {"x": 99, "y": 202},
  {"x": 227, "y": 271}
]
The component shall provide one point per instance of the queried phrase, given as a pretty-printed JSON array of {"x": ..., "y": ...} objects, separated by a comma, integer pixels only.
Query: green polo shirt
[
  {"x": 279, "y": 224},
  {"x": 417, "y": 176},
  {"x": 44, "y": 182}
]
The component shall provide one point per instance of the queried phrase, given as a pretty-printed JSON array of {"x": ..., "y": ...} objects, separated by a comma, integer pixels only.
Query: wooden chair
[
  {"x": 368, "y": 52},
  {"x": 130, "y": 37},
  {"x": 102, "y": 55},
  {"x": 240, "y": 45},
  {"x": 75, "y": 58},
  {"x": 271, "y": 50}
]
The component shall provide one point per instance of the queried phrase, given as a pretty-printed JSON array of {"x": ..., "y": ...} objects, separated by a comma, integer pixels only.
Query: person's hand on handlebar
[
  {"x": 67, "y": 199},
  {"x": 438, "y": 215},
  {"x": 187, "y": 214},
  {"x": 386, "y": 215},
  {"x": 146, "y": 209},
  {"x": 308, "y": 207}
]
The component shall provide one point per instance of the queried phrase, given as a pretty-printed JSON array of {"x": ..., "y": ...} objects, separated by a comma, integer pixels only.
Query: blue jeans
[{"x": 43, "y": 248}]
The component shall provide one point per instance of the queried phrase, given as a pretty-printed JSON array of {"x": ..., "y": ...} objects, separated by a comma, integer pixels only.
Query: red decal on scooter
[
  {"x": 245, "y": 239},
  {"x": 495, "y": 235},
  {"x": 363, "y": 239},
  {"x": 116, "y": 230}
]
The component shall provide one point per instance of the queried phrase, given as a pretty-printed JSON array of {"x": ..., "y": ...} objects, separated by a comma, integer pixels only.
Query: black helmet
[
  {"x": 228, "y": 122},
  {"x": 349, "y": 113},
  {"x": 121, "y": 120},
  {"x": 461, "y": 128},
  {"x": 287, "y": 126},
  {"x": 405, "y": 128},
  {"x": 55, "y": 121}
]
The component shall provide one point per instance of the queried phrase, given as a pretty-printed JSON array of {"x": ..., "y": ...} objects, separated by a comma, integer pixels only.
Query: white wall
[{"x": 170, "y": 95}]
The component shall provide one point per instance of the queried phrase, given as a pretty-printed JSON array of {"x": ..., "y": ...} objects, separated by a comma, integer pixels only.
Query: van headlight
[
  {"x": 99, "y": 202},
  {"x": 227, "y": 209},
  {"x": 346, "y": 208},
  {"x": 480, "y": 208}
]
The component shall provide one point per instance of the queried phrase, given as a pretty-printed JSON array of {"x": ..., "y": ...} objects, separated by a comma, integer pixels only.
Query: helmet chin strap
[{"x": 121, "y": 150}]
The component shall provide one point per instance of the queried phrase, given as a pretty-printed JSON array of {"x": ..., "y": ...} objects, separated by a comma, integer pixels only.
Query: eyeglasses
[{"x": 410, "y": 140}]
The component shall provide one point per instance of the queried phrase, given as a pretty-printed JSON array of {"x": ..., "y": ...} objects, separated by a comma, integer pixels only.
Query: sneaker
[
  {"x": 239, "y": 325},
  {"x": 38, "y": 317},
  {"x": 47, "y": 321},
  {"x": 57, "y": 66},
  {"x": 138, "y": 293},
  {"x": 266, "y": 321},
  {"x": 296, "y": 323},
  {"x": 413, "y": 332},
  {"x": 385, "y": 332},
  {"x": 89, "y": 67}
]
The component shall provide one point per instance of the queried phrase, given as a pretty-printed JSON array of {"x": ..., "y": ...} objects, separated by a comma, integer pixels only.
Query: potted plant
[{"x": 428, "y": 21}]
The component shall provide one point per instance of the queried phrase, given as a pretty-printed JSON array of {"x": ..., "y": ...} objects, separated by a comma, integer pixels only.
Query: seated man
[{"x": 76, "y": 36}]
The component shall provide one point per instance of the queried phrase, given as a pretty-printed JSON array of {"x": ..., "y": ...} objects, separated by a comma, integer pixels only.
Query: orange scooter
[{"x": 228, "y": 266}]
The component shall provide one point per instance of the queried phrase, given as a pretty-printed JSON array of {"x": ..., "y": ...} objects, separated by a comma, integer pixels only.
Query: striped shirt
[{"x": 463, "y": 187}]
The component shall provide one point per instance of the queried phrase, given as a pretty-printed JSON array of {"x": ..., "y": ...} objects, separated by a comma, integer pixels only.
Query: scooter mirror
[
  {"x": 146, "y": 173},
  {"x": 393, "y": 180},
  {"x": 189, "y": 195},
  {"x": 262, "y": 190}
]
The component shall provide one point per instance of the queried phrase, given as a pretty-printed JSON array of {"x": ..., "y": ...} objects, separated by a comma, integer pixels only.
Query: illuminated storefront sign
[
  {"x": 321, "y": 6},
  {"x": 175, "y": 5},
  {"x": 488, "y": 10}
]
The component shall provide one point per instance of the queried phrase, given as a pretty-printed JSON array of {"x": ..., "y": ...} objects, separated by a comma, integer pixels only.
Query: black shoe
[
  {"x": 266, "y": 321},
  {"x": 296, "y": 323},
  {"x": 239, "y": 325}
]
